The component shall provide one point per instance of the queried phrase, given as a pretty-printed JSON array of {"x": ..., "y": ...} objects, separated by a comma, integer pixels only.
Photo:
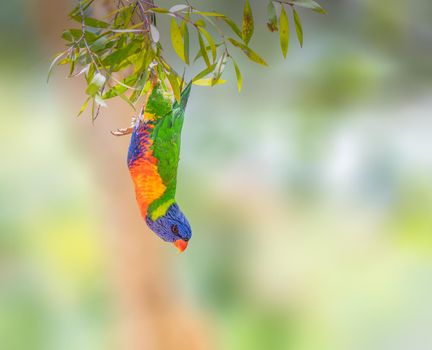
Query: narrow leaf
[
  {"x": 127, "y": 100},
  {"x": 178, "y": 8},
  {"x": 238, "y": 75},
  {"x": 93, "y": 116},
  {"x": 233, "y": 26},
  {"x": 185, "y": 33},
  {"x": 126, "y": 30},
  {"x": 122, "y": 87},
  {"x": 310, "y": 4},
  {"x": 119, "y": 55},
  {"x": 154, "y": 33},
  {"x": 210, "y": 41},
  {"x": 91, "y": 22},
  {"x": 71, "y": 67},
  {"x": 81, "y": 7},
  {"x": 124, "y": 17},
  {"x": 208, "y": 82},
  {"x": 298, "y": 27},
  {"x": 220, "y": 67},
  {"x": 248, "y": 52},
  {"x": 174, "y": 85},
  {"x": 84, "y": 106},
  {"x": 82, "y": 71},
  {"x": 200, "y": 23},
  {"x": 177, "y": 39},
  {"x": 284, "y": 31},
  {"x": 159, "y": 10},
  {"x": 53, "y": 63},
  {"x": 96, "y": 84},
  {"x": 209, "y": 14},
  {"x": 248, "y": 23},
  {"x": 199, "y": 54},
  {"x": 272, "y": 23},
  {"x": 203, "y": 50},
  {"x": 205, "y": 72}
]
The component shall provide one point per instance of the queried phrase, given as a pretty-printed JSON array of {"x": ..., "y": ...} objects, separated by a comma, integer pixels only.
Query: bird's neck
[{"x": 159, "y": 208}]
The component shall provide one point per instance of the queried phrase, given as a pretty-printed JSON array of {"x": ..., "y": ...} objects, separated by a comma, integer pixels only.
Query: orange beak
[{"x": 181, "y": 245}]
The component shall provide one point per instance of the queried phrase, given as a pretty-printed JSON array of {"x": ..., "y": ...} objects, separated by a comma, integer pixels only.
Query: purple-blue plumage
[{"x": 139, "y": 143}]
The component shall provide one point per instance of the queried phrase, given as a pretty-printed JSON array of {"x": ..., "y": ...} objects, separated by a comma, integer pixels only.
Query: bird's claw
[{"x": 122, "y": 132}]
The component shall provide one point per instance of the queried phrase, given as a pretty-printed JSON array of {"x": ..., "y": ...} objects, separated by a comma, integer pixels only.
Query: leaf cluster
[{"x": 120, "y": 54}]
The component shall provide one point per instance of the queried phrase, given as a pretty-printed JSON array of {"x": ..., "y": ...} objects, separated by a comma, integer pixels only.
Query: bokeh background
[{"x": 309, "y": 193}]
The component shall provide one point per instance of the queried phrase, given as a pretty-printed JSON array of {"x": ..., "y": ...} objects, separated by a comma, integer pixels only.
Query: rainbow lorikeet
[{"x": 153, "y": 160}]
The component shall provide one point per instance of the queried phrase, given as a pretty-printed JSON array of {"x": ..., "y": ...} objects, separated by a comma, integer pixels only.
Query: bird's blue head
[{"x": 172, "y": 227}]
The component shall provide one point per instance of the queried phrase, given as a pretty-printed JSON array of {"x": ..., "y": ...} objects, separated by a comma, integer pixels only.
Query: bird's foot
[{"x": 123, "y": 131}]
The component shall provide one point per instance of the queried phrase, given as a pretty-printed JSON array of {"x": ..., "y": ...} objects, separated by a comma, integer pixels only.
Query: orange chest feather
[{"x": 147, "y": 181}]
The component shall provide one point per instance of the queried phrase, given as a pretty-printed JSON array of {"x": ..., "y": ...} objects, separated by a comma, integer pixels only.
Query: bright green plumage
[
  {"x": 153, "y": 158},
  {"x": 166, "y": 137},
  {"x": 156, "y": 141}
]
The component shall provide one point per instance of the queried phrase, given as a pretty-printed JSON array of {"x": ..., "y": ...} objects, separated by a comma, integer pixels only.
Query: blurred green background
[{"x": 309, "y": 194}]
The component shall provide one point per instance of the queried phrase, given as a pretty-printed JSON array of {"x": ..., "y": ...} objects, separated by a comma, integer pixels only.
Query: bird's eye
[{"x": 174, "y": 229}]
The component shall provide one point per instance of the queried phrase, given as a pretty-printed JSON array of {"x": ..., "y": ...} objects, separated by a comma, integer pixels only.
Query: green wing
[{"x": 166, "y": 137}]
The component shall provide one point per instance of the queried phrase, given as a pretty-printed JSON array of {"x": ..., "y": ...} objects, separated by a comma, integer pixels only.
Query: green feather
[{"x": 166, "y": 137}]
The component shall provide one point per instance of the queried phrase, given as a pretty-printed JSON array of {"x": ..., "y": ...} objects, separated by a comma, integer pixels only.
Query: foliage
[{"x": 119, "y": 54}]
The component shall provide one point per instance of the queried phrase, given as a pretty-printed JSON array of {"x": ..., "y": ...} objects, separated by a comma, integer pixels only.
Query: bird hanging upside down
[{"x": 153, "y": 160}]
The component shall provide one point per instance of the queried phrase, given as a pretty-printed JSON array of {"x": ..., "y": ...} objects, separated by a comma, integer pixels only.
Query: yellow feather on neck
[{"x": 161, "y": 210}]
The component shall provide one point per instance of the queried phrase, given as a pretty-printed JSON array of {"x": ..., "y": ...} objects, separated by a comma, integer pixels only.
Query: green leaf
[
  {"x": 310, "y": 4},
  {"x": 71, "y": 68},
  {"x": 73, "y": 35},
  {"x": 177, "y": 40},
  {"x": 238, "y": 75},
  {"x": 185, "y": 33},
  {"x": 209, "y": 40},
  {"x": 93, "y": 116},
  {"x": 91, "y": 22},
  {"x": 272, "y": 23},
  {"x": 96, "y": 84},
  {"x": 159, "y": 10},
  {"x": 101, "y": 43},
  {"x": 298, "y": 27},
  {"x": 220, "y": 67},
  {"x": 199, "y": 54},
  {"x": 248, "y": 52},
  {"x": 208, "y": 14},
  {"x": 127, "y": 100},
  {"x": 64, "y": 61},
  {"x": 53, "y": 63},
  {"x": 121, "y": 88},
  {"x": 203, "y": 50},
  {"x": 120, "y": 55},
  {"x": 284, "y": 31},
  {"x": 83, "y": 5},
  {"x": 174, "y": 85},
  {"x": 124, "y": 17},
  {"x": 205, "y": 72},
  {"x": 91, "y": 73},
  {"x": 200, "y": 23},
  {"x": 115, "y": 91},
  {"x": 233, "y": 26},
  {"x": 248, "y": 23},
  {"x": 84, "y": 106},
  {"x": 208, "y": 82},
  {"x": 142, "y": 59},
  {"x": 139, "y": 86}
]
